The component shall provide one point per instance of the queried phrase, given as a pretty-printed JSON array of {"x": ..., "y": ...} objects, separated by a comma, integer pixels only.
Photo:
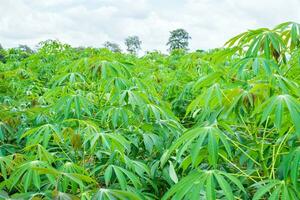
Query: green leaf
[
  {"x": 213, "y": 149},
  {"x": 107, "y": 175},
  {"x": 225, "y": 186},
  {"x": 172, "y": 173},
  {"x": 210, "y": 187},
  {"x": 264, "y": 189}
]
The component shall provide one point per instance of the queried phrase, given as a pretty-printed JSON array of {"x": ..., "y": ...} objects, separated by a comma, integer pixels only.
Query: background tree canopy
[
  {"x": 133, "y": 44},
  {"x": 112, "y": 46},
  {"x": 179, "y": 39}
]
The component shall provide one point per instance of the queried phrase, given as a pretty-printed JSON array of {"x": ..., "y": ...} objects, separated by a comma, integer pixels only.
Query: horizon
[{"x": 91, "y": 23}]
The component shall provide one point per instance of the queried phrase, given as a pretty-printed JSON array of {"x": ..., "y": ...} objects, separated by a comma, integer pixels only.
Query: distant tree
[
  {"x": 133, "y": 44},
  {"x": 114, "y": 47},
  {"x": 179, "y": 39},
  {"x": 80, "y": 48},
  {"x": 25, "y": 48},
  {"x": 2, "y": 54},
  {"x": 200, "y": 50}
]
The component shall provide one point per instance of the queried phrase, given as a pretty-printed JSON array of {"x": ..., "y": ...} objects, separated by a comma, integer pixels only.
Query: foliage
[
  {"x": 133, "y": 44},
  {"x": 2, "y": 54},
  {"x": 179, "y": 39},
  {"x": 112, "y": 47},
  {"x": 93, "y": 124},
  {"x": 25, "y": 48}
]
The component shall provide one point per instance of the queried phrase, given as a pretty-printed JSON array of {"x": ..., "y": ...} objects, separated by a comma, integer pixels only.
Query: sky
[{"x": 92, "y": 22}]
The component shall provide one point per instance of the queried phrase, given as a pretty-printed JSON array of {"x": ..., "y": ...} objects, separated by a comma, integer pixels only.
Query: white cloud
[{"x": 92, "y": 22}]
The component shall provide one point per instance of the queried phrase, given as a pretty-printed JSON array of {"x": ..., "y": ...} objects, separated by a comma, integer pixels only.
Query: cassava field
[{"x": 87, "y": 123}]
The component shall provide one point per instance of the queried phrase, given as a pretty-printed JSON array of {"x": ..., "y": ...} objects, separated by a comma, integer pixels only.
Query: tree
[
  {"x": 179, "y": 39},
  {"x": 2, "y": 54},
  {"x": 25, "y": 48},
  {"x": 114, "y": 47},
  {"x": 133, "y": 44}
]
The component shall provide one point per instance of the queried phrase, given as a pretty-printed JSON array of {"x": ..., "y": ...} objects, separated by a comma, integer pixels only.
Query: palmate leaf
[
  {"x": 6, "y": 166},
  {"x": 42, "y": 135},
  {"x": 26, "y": 195},
  {"x": 290, "y": 166},
  {"x": 291, "y": 31},
  {"x": 207, "y": 80},
  {"x": 26, "y": 176},
  {"x": 277, "y": 105},
  {"x": 152, "y": 141},
  {"x": 108, "y": 70},
  {"x": 133, "y": 98},
  {"x": 152, "y": 112},
  {"x": 117, "y": 116},
  {"x": 70, "y": 78},
  {"x": 240, "y": 103},
  {"x": 285, "y": 84},
  {"x": 138, "y": 167},
  {"x": 114, "y": 85},
  {"x": 256, "y": 65},
  {"x": 122, "y": 175},
  {"x": 73, "y": 105},
  {"x": 107, "y": 140},
  {"x": 263, "y": 41},
  {"x": 275, "y": 190},
  {"x": 211, "y": 97},
  {"x": 72, "y": 176},
  {"x": 197, "y": 138},
  {"x": 113, "y": 194},
  {"x": 57, "y": 195},
  {"x": 168, "y": 128},
  {"x": 68, "y": 177},
  {"x": 4, "y": 130},
  {"x": 205, "y": 184},
  {"x": 40, "y": 153}
]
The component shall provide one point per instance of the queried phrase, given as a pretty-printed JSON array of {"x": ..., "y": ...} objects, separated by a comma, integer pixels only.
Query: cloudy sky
[{"x": 92, "y": 22}]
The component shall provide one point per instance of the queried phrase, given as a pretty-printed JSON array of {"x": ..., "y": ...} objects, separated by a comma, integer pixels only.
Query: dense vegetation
[{"x": 92, "y": 124}]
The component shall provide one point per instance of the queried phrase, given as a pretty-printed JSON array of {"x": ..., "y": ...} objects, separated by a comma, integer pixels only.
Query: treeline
[{"x": 179, "y": 39}]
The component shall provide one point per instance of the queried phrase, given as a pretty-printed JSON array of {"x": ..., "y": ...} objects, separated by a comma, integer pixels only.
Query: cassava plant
[{"x": 93, "y": 124}]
